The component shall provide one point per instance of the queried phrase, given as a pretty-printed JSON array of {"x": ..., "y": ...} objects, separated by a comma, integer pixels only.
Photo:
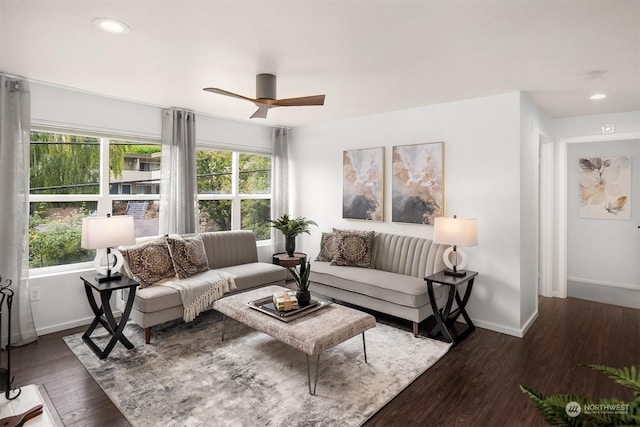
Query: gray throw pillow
[
  {"x": 353, "y": 248},
  {"x": 188, "y": 255},
  {"x": 149, "y": 262}
]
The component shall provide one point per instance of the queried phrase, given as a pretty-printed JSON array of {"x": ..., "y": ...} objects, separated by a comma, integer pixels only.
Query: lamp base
[
  {"x": 457, "y": 273},
  {"x": 101, "y": 278}
]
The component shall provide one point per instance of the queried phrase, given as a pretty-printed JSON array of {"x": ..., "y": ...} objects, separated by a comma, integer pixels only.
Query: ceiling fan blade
[
  {"x": 226, "y": 93},
  {"x": 299, "y": 102},
  {"x": 261, "y": 113}
]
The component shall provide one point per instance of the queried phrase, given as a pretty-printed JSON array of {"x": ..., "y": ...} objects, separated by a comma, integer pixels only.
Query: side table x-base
[
  {"x": 444, "y": 317},
  {"x": 104, "y": 313}
]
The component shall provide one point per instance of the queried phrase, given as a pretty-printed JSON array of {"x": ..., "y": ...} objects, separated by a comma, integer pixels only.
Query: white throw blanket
[{"x": 200, "y": 291}]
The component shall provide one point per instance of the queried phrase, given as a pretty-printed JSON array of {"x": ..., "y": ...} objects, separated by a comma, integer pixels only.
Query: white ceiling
[{"x": 366, "y": 56}]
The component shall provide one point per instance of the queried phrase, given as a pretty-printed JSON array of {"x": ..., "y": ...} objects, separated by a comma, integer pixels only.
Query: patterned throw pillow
[
  {"x": 353, "y": 248},
  {"x": 149, "y": 262},
  {"x": 327, "y": 247},
  {"x": 188, "y": 255}
]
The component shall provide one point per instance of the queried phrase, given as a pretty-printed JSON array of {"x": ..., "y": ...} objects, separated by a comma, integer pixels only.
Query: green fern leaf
[{"x": 627, "y": 376}]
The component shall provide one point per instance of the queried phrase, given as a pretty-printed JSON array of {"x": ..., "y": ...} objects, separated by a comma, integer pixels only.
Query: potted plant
[
  {"x": 291, "y": 227},
  {"x": 302, "y": 280}
]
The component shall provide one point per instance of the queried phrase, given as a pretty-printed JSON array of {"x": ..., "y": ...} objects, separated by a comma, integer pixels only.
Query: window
[
  {"x": 74, "y": 175},
  {"x": 234, "y": 191},
  {"x": 67, "y": 185}
]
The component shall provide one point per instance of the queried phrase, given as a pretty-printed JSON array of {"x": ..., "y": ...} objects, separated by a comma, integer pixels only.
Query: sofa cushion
[
  {"x": 393, "y": 287},
  {"x": 256, "y": 274},
  {"x": 353, "y": 248},
  {"x": 148, "y": 262},
  {"x": 327, "y": 247},
  {"x": 188, "y": 255},
  {"x": 158, "y": 297}
]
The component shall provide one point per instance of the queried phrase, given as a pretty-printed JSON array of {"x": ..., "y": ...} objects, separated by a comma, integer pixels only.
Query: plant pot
[
  {"x": 303, "y": 298},
  {"x": 290, "y": 245}
]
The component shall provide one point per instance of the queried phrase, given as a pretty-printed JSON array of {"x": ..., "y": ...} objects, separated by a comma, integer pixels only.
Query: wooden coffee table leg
[{"x": 315, "y": 381}]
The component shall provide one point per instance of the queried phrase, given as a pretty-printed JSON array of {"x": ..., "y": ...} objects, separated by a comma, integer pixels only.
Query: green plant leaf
[
  {"x": 601, "y": 412},
  {"x": 301, "y": 277},
  {"x": 627, "y": 376},
  {"x": 291, "y": 227}
]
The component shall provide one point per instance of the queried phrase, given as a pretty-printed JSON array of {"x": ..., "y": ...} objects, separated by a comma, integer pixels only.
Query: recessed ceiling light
[
  {"x": 111, "y": 25},
  {"x": 597, "y": 96}
]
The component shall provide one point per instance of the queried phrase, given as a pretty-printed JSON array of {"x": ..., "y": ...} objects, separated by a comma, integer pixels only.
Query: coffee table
[{"x": 312, "y": 334}]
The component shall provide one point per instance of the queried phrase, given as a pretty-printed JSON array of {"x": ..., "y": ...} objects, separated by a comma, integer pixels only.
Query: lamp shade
[
  {"x": 107, "y": 232},
  {"x": 455, "y": 231}
]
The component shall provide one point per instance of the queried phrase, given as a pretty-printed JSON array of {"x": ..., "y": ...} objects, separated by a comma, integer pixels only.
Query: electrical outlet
[{"x": 35, "y": 294}]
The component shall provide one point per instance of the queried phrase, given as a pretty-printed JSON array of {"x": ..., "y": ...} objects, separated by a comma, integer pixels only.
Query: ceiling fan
[{"x": 266, "y": 96}]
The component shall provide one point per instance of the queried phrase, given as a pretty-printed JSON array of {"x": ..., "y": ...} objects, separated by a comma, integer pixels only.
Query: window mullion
[
  {"x": 235, "y": 184},
  {"x": 104, "y": 203}
]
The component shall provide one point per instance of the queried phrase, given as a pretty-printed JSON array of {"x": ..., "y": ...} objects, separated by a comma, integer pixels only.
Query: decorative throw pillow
[
  {"x": 149, "y": 262},
  {"x": 188, "y": 255},
  {"x": 327, "y": 247},
  {"x": 353, "y": 248}
]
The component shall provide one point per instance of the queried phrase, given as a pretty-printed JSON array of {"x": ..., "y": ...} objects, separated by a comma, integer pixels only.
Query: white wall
[
  {"x": 533, "y": 125},
  {"x": 592, "y": 125},
  {"x": 482, "y": 180},
  {"x": 603, "y": 254},
  {"x": 62, "y": 302}
]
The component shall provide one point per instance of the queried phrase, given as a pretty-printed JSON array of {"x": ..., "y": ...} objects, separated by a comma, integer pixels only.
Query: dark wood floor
[{"x": 475, "y": 384}]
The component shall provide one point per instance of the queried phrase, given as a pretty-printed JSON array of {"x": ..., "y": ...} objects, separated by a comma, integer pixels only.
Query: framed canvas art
[
  {"x": 417, "y": 187},
  {"x": 605, "y": 187},
  {"x": 363, "y": 184}
]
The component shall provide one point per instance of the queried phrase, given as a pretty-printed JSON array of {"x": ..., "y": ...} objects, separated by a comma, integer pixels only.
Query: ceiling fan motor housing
[{"x": 265, "y": 86}]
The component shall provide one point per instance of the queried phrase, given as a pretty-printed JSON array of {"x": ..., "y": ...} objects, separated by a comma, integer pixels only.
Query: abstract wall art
[
  {"x": 417, "y": 187},
  {"x": 363, "y": 184},
  {"x": 605, "y": 187}
]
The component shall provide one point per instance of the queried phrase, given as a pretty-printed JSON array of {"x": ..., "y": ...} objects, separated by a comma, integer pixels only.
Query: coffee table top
[{"x": 312, "y": 333}]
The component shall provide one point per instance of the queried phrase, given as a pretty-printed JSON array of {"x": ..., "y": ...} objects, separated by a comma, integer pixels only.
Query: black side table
[
  {"x": 445, "y": 317},
  {"x": 104, "y": 313}
]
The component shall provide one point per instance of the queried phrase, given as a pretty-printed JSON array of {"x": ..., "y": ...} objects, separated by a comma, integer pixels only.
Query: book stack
[{"x": 285, "y": 301}]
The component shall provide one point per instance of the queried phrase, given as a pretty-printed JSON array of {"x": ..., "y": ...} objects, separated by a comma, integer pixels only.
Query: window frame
[
  {"x": 235, "y": 196},
  {"x": 103, "y": 199}
]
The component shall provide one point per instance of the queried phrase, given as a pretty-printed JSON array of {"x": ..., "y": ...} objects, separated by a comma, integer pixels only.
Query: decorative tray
[{"x": 266, "y": 306}]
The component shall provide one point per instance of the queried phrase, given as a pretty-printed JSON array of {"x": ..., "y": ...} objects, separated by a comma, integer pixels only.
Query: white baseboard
[
  {"x": 607, "y": 293},
  {"x": 580, "y": 280},
  {"x": 68, "y": 325},
  {"x": 519, "y": 333},
  {"x": 530, "y": 321}
]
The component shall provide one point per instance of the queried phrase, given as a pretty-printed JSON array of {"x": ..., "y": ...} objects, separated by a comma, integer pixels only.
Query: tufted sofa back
[{"x": 411, "y": 256}]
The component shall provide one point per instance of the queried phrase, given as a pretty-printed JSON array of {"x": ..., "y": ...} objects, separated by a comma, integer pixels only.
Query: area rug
[{"x": 187, "y": 376}]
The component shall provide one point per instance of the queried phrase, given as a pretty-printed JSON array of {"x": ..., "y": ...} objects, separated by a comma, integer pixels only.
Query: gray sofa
[
  {"x": 395, "y": 285},
  {"x": 233, "y": 252}
]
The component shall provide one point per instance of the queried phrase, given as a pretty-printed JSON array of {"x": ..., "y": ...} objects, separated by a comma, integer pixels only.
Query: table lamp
[
  {"x": 107, "y": 232},
  {"x": 456, "y": 232}
]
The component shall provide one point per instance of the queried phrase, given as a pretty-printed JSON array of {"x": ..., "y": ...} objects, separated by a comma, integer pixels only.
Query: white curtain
[
  {"x": 178, "y": 188},
  {"x": 279, "y": 184},
  {"x": 15, "y": 121}
]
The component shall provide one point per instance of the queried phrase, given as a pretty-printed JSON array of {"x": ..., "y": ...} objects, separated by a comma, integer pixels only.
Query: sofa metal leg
[
  {"x": 415, "y": 329},
  {"x": 147, "y": 335}
]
